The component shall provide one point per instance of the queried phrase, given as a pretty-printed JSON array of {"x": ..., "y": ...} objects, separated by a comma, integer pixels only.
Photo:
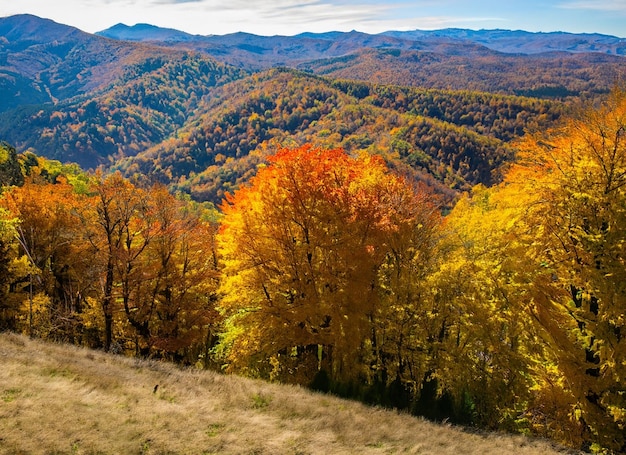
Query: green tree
[
  {"x": 10, "y": 169},
  {"x": 8, "y": 253}
]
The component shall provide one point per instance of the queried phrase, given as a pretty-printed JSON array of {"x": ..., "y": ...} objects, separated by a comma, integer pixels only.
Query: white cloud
[
  {"x": 289, "y": 17},
  {"x": 597, "y": 5},
  {"x": 439, "y": 22},
  {"x": 209, "y": 16}
]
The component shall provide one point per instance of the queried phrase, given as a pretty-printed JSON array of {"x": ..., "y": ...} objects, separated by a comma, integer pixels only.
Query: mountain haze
[
  {"x": 522, "y": 42},
  {"x": 145, "y": 32},
  {"x": 259, "y": 52},
  {"x": 74, "y": 96}
]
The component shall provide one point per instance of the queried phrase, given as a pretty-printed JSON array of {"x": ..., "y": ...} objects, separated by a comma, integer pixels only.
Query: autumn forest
[{"x": 453, "y": 253}]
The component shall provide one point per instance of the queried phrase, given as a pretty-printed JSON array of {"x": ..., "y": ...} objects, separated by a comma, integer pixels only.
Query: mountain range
[
  {"x": 421, "y": 52},
  {"x": 315, "y": 45},
  {"x": 200, "y": 112}
]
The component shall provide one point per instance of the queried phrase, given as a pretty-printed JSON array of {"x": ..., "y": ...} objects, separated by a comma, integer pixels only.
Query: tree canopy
[{"x": 301, "y": 248}]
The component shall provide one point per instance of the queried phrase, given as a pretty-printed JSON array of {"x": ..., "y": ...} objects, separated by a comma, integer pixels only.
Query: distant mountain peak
[
  {"x": 26, "y": 27},
  {"x": 144, "y": 32}
]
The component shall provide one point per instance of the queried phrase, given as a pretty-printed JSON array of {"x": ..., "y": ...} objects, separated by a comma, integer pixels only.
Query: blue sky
[{"x": 290, "y": 17}]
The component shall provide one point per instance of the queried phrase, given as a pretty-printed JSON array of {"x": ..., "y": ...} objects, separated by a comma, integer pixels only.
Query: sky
[{"x": 290, "y": 17}]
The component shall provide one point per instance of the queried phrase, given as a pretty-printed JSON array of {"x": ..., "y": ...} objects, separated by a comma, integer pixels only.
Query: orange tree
[
  {"x": 155, "y": 261},
  {"x": 168, "y": 292},
  {"x": 301, "y": 249},
  {"x": 52, "y": 255}
]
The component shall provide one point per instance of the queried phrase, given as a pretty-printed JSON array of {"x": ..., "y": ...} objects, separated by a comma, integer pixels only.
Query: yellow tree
[
  {"x": 301, "y": 247},
  {"x": 8, "y": 255},
  {"x": 577, "y": 173},
  {"x": 493, "y": 281}
]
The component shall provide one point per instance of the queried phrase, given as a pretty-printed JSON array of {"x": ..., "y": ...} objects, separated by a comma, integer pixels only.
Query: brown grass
[{"x": 59, "y": 399}]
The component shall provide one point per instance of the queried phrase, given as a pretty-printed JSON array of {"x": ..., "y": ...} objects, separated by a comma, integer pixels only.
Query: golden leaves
[{"x": 301, "y": 246}]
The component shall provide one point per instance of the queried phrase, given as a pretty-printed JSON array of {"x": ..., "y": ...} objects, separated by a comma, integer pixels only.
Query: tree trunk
[{"x": 107, "y": 306}]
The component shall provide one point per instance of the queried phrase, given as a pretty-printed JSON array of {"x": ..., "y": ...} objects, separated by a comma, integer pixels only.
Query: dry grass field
[{"x": 60, "y": 399}]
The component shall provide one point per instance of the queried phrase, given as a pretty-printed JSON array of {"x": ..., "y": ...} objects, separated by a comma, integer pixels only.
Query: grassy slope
[{"x": 58, "y": 399}]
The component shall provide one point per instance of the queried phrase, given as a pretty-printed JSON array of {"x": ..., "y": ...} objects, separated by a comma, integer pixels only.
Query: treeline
[
  {"x": 100, "y": 262},
  {"x": 332, "y": 271}
]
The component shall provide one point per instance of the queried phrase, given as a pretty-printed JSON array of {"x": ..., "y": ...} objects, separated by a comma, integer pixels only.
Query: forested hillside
[
  {"x": 546, "y": 75},
  {"x": 45, "y": 62},
  {"x": 451, "y": 140},
  {"x": 158, "y": 107},
  {"x": 175, "y": 121},
  {"x": 81, "y": 98},
  {"x": 147, "y": 103}
]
